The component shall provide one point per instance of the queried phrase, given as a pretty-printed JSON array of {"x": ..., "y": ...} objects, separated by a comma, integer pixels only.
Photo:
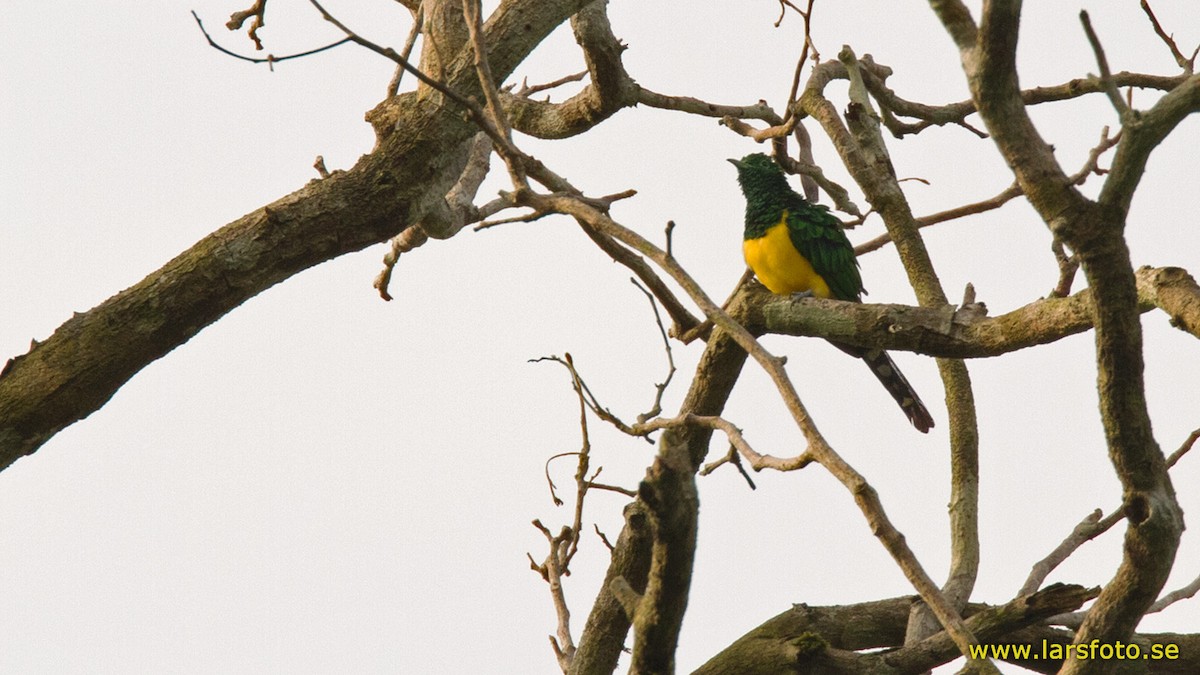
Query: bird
[{"x": 796, "y": 247}]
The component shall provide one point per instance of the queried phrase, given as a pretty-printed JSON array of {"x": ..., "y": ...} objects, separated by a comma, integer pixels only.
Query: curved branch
[{"x": 610, "y": 89}]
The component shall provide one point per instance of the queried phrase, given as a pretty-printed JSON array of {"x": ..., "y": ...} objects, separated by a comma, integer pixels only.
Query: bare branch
[
  {"x": 460, "y": 211},
  {"x": 319, "y": 165},
  {"x": 270, "y": 59},
  {"x": 258, "y": 10},
  {"x": 564, "y": 545},
  {"x": 1089, "y": 528},
  {"x": 661, "y": 387},
  {"x": 406, "y": 51},
  {"x": 390, "y": 53},
  {"x": 759, "y": 135},
  {"x": 804, "y": 50},
  {"x": 695, "y": 106},
  {"x": 495, "y": 111},
  {"x": 1185, "y": 593},
  {"x": 1106, "y": 81},
  {"x": 610, "y": 88},
  {"x": 983, "y": 206},
  {"x": 527, "y": 90},
  {"x": 1086, "y": 530},
  {"x": 838, "y": 194},
  {"x": 731, "y": 457},
  {"x": 1187, "y": 64},
  {"x": 552, "y": 571},
  {"x": 1068, "y": 265}
]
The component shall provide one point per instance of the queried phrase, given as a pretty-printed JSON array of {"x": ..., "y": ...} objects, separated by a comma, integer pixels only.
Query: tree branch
[
  {"x": 834, "y": 639},
  {"x": 403, "y": 181},
  {"x": 1094, "y": 232}
]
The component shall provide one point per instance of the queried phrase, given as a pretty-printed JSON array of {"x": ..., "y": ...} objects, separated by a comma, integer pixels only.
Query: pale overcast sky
[{"x": 325, "y": 482}]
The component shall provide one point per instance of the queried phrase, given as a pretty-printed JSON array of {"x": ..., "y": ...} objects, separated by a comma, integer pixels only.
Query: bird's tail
[{"x": 896, "y": 384}]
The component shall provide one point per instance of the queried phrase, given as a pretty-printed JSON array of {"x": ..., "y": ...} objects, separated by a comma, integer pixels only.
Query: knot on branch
[{"x": 1057, "y": 598}]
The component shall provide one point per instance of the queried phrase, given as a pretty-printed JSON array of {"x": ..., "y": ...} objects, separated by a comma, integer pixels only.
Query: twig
[
  {"x": 526, "y": 90},
  {"x": 406, "y": 52},
  {"x": 837, "y": 194},
  {"x": 593, "y": 485},
  {"x": 565, "y": 544},
  {"x": 811, "y": 175},
  {"x": 805, "y": 157},
  {"x": 1089, "y": 528},
  {"x": 1085, "y": 530},
  {"x": 684, "y": 322},
  {"x": 604, "y": 538},
  {"x": 409, "y": 239},
  {"x": 1175, "y": 596},
  {"x": 550, "y": 481},
  {"x": 660, "y": 388},
  {"x": 270, "y": 58},
  {"x": 460, "y": 199},
  {"x": 757, "y": 461},
  {"x": 996, "y": 202},
  {"x": 588, "y": 398},
  {"x": 1188, "y": 64},
  {"x": 1068, "y": 265},
  {"x": 472, "y": 108},
  {"x": 808, "y": 44},
  {"x": 695, "y": 106},
  {"x": 704, "y": 328},
  {"x": 495, "y": 111},
  {"x": 1090, "y": 167},
  {"x": 526, "y": 218},
  {"x": 783, "y": 7},
  {"x": 644, "y": 427},
  {"x": 258, "y": 10},
  {"x": 1106, "y": 79},
  {"x": 759, "y": 135},
  {"x": 319, "y": 165},
  {"x": 552, "y": 571},
  {"x": 731, "y": 457},
  {"x": 1184, "y": 448}
]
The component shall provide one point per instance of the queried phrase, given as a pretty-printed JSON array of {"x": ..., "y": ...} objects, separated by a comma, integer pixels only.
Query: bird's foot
[{"x": 801, "y": 294}]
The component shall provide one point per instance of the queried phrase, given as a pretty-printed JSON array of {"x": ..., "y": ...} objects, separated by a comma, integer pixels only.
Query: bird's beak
[{"x": 734, "y": 162}]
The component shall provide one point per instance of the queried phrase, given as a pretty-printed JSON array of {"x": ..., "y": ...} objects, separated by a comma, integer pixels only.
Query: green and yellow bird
[{"x": 795, "y": 246}]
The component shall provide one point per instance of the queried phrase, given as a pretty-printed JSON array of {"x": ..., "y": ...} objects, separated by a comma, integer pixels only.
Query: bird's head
[{"x": 759, "y": 174}]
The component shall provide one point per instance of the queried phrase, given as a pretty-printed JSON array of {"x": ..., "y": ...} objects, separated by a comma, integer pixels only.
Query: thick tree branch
[
  {"x": 669, "y": 493},
  {"x": 965, "y": 332},
  {"x": 830, "y": 640},
  {"x": 863, "y": 151},
  {"x": 1140, "y": 136},
  {"x": 603, "y": 637},
  {"x": 403, "y": 181},
  {"x": 1095, "y": 234}
]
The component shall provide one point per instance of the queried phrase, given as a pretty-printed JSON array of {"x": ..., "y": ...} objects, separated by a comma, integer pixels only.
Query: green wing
[{"x": 819, "y": 237}]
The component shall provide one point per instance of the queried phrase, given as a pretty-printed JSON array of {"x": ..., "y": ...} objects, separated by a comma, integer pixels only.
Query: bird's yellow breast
[{"x": 779, "y": 266}]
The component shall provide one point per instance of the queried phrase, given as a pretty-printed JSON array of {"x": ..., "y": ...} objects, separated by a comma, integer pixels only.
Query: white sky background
[{"x": 324, "y": 482}]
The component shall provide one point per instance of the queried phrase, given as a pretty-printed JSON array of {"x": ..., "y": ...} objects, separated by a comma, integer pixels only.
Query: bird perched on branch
[{"x": 797, "y": 247}]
